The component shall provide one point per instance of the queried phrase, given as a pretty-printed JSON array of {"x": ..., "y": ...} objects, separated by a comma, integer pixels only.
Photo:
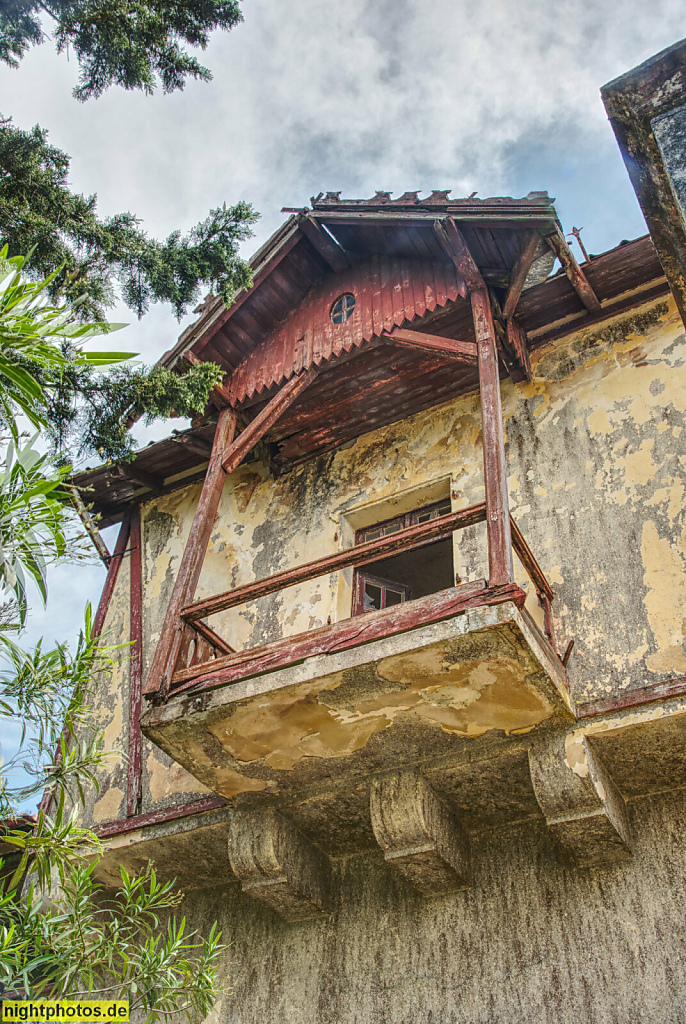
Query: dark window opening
[
  {"x": 408, "y": 575},
  {"x": 342, "y": 308}
]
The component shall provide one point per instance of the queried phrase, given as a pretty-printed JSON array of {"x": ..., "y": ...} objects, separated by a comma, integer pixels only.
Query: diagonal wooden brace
[
  {"x": 226, "y": 455},
  {"x": 169, "y": 644}
]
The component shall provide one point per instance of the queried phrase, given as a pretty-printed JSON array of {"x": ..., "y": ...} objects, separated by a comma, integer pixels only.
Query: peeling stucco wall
[{"x": 110, "y": 701}]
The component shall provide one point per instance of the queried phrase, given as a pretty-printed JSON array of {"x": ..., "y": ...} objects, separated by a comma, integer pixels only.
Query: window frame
[
  {"x": 363, "y": 578},
  {"x": 401, "y": 522},
  {"x": 404, "y": 521}
]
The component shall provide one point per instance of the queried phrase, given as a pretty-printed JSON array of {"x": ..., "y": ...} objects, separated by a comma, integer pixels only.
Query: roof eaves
[{"x": 216, "y": 309}]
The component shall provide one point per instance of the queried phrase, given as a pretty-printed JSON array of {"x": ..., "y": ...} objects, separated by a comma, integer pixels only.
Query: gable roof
[{"x": 334, "y": 235}]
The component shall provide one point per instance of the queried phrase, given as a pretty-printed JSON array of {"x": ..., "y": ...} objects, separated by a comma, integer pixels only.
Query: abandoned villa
[{"x": 405, "y": 703}]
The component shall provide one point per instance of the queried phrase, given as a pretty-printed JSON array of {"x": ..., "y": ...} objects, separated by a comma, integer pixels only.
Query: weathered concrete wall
[
  {"x": 531, "y": 941},
  {"x": 110, "y": 702}
]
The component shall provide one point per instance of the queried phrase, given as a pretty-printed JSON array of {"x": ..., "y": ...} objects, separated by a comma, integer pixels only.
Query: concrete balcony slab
[{"x": 484, "y": 675}]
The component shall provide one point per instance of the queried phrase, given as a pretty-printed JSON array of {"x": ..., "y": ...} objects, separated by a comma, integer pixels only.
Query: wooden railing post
[
  {"x": 167, "y": 650},
  {"x": 497, "y": 507}
]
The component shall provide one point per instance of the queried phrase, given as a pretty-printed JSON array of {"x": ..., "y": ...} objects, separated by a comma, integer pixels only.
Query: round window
[{"x": 342, "y": 308}]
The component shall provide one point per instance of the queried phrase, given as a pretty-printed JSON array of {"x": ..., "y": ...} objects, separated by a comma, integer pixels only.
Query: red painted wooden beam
[
  {"x": 169, "y": 643},
  {"x": 516, "y": 337},
  {"x": 453, "y": 243},
  {"x": 361, "y": 554},
  {"x": 212, "y": 637},
  {"x": 257, "y": 428},
  {"x": 353, "y": 632},
  {"x": 519, "y": 274},
  {"x": 133, "y": 787},
  {"x": 325, "y": 245},
  {"x": 463, "y": 351},
  {"x": 557, "y": 242},
  {"x": 495, "y": 477}
]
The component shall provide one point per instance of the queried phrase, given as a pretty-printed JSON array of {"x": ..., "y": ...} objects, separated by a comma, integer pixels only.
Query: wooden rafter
[
  {"x": 258, "y": 427},
  {"x": 454, "y": 245},
  {"x": 453, "y": 348},
  {"x": 193, "y": 444},
  {"x": 133, "y": 472},
  {"x": 325, "y": 245},
  {"x": 519, "y": 274},
  {"x": 557, "y": 242}
]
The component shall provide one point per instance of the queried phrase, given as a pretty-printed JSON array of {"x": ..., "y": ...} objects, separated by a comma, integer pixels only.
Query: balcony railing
[{"x": 206, "y": 659}]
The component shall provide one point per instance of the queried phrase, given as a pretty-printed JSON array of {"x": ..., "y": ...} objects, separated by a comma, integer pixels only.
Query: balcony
[{"x": 385, "y": 689}]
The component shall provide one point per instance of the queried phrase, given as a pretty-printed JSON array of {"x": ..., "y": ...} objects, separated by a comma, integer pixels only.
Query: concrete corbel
[
  {"x": 278, "y": 866},
  {"x": 582, "y": 805},
  {"x": 418, "y": 834}
]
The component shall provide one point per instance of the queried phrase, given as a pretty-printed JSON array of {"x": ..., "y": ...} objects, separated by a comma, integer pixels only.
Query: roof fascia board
[{"x": 217, "y": 313}]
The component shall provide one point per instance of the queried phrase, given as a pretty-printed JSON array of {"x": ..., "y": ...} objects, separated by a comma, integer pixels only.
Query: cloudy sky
[{"x": 494, "y": 96}]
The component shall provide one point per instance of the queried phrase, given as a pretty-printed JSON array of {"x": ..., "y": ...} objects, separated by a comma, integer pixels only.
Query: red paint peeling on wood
[
  {"x": 388, "y": 292},
  {"x": 133, "y": 786},
  {"x": 346, "y": 634},
  {"x": 115, "y": 828}
]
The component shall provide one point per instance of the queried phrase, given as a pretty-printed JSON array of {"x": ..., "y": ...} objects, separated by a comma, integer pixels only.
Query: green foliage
[
  {"x": 120, "y": 42},
  {"x": 62, "y": 231},
  {"x": 32, "y": 522},
  {"x": 48, "y": 694},
  {"x": 112, "y": 947},
  {"x": 88, "y": 411},
  {"x": 30, "y": 333},
  {"x": 46, "y": 375}
]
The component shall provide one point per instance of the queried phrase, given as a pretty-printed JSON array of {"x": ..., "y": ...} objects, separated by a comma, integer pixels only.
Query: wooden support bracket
[
  {"x": 454, "y": 245},
  {"x": 169, "y": 643},
  {"x": 582, "y": 805},
  {"x": 519, "y": 274},
  {"x": 277, "y": 865},
  {"x": 419, "y": 835},
  {"x": 227, "y": 454},
  {"x": 462, "y": 351},
  {"x": 89, "y": 525},
  {"x": 516, "y": 337},
  {"x": 257, "y": 428},
  {"x": 558, "y": 243}
]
